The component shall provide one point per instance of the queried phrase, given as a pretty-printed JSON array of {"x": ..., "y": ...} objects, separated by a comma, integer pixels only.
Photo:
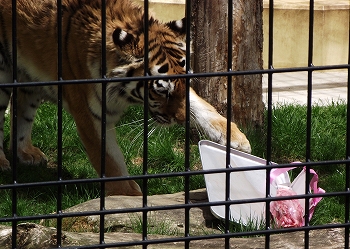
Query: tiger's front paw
[
  {"x": 238, "y": 140},
  {"x": 4, "y": 163},
  {"x": 129, "y": 187},
  {"x": 31, "y": 156}
]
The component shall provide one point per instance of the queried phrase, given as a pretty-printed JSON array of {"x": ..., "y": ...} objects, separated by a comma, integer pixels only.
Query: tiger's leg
[
  {"x": 89, "y": 130},
  {"x": 5, "y": 94},
  {"x": 115, "y": 166},
  {"x": 206, "y": 118},
  {"x": 114, "y": 160},
  {"x": 28, "y": 101},
  {"x": 4, "y": 100}
]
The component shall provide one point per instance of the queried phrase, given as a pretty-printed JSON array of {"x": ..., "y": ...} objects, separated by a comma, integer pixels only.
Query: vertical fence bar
[
  {"x": 228, "y": 125},
  {"x": 309, "y": 85},
  {"x": 145, "y": 125},
  {"x": 309, "y": 119},
  {"x": 187, "y": 125},
  {"x": 14, "y": 122},
  {"x": 269, "y": 120},
  {"x": 347, "y": 165},
  {"x": 59, "y": 122},
  {"x": 103, "y": 118}
]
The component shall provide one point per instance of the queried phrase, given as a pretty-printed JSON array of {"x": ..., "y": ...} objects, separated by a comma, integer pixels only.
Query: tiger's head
[{"x": 167, "y": 56}]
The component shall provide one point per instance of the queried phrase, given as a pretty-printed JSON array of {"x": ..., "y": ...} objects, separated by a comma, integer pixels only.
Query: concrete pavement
[{"x": 327, "y": 86}]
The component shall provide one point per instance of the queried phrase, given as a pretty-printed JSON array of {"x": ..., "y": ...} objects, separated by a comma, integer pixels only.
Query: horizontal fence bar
[
  {"x": 166, "y": 175},
  {"x": 170, "y": 207},
  {"x": 175, "y": 76},
  {"x": 214, "y": 236}
]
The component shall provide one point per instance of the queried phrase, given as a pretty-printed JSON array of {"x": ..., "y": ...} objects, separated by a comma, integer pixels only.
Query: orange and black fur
[{"x": 81, "y": 56}]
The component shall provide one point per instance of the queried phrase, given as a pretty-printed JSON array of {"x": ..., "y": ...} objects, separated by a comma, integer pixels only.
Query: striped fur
[{"x": 81, "y": 56}]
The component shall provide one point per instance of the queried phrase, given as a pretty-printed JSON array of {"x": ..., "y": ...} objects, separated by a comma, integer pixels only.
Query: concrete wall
[
  {"x": 166, "y": 10},
  {"x": 291, "y": 30}
]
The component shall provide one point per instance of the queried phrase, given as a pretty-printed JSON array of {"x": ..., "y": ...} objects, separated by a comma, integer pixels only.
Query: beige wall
[
  {"x": 291, "y": 32},
  {"x": 291, "y": 25},
  {"x": 166, "y": 10}
]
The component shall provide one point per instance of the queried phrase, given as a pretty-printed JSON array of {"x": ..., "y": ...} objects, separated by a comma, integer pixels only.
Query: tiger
[{"x": 37, "y": 53}]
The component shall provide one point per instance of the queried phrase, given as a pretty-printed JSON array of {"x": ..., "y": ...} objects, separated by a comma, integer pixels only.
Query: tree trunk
[{"x": 210, "y": 46}]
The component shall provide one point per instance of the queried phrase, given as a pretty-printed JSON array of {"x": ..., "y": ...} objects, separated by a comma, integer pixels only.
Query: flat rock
[
  {"x": 201, "y": 219},
  {"x": 34, "y": 236},
  {"x": 120, "y": 228}
]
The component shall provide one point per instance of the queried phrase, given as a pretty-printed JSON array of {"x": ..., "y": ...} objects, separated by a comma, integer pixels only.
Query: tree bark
[{"x": 210, "y": 51}]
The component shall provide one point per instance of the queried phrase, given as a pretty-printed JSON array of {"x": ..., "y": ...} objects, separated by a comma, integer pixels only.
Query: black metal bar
[
  {"x": 175, "y": 207},
  {"x": 163, "y": 175},
  {"x": 214, "y": 236},
  {"x": 229, "y": 114},
  {"x": 347, "y": 165},
  {"x": 309, "y": 120},
  {"x": 180, "y": 76},
  {"x": 103, "y": 120},
  {"x": 59, "y": 123},
  {"x": 187, "y": 125},
  {"x": 145, "y": 124},
  {"x": 269, "y": 120},
  {"x": 14, "y": 122}
]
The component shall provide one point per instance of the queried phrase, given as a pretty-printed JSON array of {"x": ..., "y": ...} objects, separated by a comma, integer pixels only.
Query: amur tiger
[{"x": 81, "y": 56}]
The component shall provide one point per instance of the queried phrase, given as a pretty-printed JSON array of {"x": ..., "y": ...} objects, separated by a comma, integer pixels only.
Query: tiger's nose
[{"x": 180, "y": 118}]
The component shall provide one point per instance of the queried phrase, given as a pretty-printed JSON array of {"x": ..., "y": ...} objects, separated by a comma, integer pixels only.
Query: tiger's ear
[
  {"x": 121, "y": 37},
  {"x": 178, "y": 26}
]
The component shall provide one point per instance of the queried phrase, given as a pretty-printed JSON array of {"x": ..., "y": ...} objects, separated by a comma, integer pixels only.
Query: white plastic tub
[{"x": 243, "y": 184}]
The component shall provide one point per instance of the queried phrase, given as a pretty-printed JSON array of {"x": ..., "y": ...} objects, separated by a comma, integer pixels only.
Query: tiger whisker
[
  {"x": 133, "y": 122},
  {"x": 151, "y": 123},
  {"x": 198, "y": 128},
  {"x": 153, "y": 129}
]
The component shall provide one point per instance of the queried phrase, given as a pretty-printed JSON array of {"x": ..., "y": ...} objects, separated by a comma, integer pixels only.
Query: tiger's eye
[
  {"x": 182, "y": 63},
  {"x": 164, "y": 68}
]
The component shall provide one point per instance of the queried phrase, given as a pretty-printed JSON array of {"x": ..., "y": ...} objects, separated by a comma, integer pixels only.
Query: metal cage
[{"x": 187, "y": 238}]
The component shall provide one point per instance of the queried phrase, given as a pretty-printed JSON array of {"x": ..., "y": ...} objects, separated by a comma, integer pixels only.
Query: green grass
[
  {"x": 154, "y": 225},
  {"x": 166, "y": 155},
  {"x": 236, "y": 227}
]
